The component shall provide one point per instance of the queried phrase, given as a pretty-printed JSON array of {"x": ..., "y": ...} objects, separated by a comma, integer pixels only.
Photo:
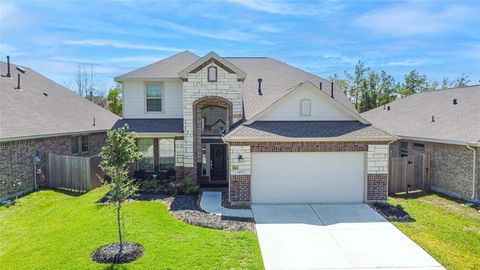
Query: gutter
[
  {"x": 43, "y": 136},
  {"x": 474, "y": 171}
]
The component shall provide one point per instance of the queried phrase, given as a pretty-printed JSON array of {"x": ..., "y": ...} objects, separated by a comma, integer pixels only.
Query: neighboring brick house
[
  {"x": 443, "y": 124},
  {"x": 40, "y": 117},
  {"x": 268, "y": 131}
]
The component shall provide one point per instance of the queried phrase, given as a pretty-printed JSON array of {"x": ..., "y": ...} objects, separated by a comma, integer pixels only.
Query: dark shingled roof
[
  {"x": 43, "y": 108},
  {"x": 168, "y": 125},
  {"x": 307, "y": 129},
  {"x": 411, "y": 116},
  {"x": 277, "y": 78}
]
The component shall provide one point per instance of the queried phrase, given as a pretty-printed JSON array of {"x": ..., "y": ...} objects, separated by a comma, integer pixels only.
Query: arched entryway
[{"x": 212, "y": 118}]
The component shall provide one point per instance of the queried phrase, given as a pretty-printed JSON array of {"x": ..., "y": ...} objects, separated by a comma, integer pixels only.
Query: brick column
[{"x": 240, "y": 174}]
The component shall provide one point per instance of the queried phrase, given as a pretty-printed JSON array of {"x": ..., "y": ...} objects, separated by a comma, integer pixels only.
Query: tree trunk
[{"x": 119, "y": 205}]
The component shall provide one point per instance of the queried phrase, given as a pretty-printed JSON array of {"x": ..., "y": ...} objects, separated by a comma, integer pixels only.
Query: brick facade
[
  {"x": 16, "y": 160},
  {"x": 240, "y": 172},
  {"x": 450, "y": 169},
  {"x": 239, "y": 188}
]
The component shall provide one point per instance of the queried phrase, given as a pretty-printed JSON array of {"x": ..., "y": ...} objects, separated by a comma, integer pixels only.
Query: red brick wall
[
  {"x": 240, "y": 188},
  {"x": 307, "y": 146},
  {"x": 377, "y": 187}
]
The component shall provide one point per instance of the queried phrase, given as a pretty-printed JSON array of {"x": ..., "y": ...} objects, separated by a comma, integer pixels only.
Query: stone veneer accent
[
  {"x": 450, "y": 169},
  {"x": 179, "y": 152},
  {"x": 197, "y": 86},
  {"x": 377, "y": 163},
  {"x": 16, "y": 160}
]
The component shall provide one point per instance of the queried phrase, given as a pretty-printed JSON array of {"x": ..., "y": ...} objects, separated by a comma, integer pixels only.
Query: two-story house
[{"x": 269, "y": 131}]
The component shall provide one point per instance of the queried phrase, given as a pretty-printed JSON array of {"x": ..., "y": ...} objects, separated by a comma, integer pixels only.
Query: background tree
[
  {"x": 114, "y": 101},
  {"x": 86, "y": 81},
  {"x": 460, "y": 81},
  {"x": 414, "y": 83},
  {"x": 119, "y": 151}
]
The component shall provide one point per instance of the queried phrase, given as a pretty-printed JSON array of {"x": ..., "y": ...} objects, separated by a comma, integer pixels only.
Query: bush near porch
[
  {"x": 52, "y": 230},
  {"x": 444, "y": 227}
]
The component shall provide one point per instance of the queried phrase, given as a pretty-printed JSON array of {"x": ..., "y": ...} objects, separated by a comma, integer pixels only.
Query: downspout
[{"x": 474, "y": 171}]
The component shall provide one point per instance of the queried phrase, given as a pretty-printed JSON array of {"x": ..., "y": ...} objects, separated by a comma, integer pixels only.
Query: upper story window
[
  {"x": 305, "y": 107},
  {"x": 214, "y": 120},
  {"x": 154, "y": 97},
  {"x": 212, "y": 74}
]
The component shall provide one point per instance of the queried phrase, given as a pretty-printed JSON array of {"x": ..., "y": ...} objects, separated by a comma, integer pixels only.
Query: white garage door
[{"x": 307, "y": 177}]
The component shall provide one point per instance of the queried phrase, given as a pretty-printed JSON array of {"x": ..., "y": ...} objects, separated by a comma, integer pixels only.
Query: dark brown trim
[{"x": 210, "y": 61}]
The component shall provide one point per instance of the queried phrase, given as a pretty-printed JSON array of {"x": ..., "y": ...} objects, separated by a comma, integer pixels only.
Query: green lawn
[
  {"x": 447, "y": 230},
  {"x": 52, "y": 230}
]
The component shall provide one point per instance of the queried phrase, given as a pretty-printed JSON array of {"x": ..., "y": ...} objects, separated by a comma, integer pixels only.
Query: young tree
[
  {"x": 114, "y": 101},
  {"x": 119, "y": 151}
]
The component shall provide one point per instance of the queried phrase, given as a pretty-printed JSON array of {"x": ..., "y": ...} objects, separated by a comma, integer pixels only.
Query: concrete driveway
[{"x": 340, "y": 236}]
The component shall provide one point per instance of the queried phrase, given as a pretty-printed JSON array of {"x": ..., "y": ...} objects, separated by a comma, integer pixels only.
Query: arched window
[
  {"x": 212, "y": 74},
  {"x": 305, "y": 107},
  {"x": 214, "y": 120}
]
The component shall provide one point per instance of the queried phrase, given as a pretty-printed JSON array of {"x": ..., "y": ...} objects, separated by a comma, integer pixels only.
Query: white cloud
[
  {"x": 230, "y": 35},
  {"x": 412, "y": 19},
  {"x": 6, "y": 49},
  {"x": 119, "y": 44},
  {"x": 281, "y": 7}
]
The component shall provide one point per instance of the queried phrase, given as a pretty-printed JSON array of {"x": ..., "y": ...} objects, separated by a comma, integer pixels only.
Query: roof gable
[
  {"x": 212, "y": 56},
  {"x": 323, "y": 107}
]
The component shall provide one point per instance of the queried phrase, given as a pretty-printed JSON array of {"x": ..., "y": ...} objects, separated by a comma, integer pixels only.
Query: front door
[{"x": 218, "y": 158}]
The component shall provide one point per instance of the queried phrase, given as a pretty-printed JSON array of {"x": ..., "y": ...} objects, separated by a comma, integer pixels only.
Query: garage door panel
[{"x": 307, "y": 177}]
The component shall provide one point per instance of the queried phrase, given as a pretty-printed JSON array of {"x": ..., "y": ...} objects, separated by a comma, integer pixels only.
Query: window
[
  {"x": 85, "y": 143},
  {"x": 146, "y": 147},
  {"x": 214, "y": 120},
  {"x": 166, "y": 154},
  {"x": 154, "y": 97},
  {"x": 419, "y": 146},
  {"x": 204, "y": 160},
  {"x": 79, "y": 144},
  {"x": 404, "y": 149},
  {"x": 212, "y": 74},
  {"x": 74, "y": 143},
  {"x": 305, "y": 107}
]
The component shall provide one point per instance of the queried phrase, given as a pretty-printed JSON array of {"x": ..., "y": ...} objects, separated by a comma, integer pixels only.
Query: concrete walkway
[
  {"x": 326, "y": 236},
  {"x": 211, "y": 202}
]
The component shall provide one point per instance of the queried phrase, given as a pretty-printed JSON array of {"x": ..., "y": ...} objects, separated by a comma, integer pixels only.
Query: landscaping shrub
[{"x": 188, "y": 186}]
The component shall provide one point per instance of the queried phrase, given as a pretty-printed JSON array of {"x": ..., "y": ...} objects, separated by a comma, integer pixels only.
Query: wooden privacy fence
[
  {"x": 409, "y": 173},
  {"x": 73, "y": 172}
]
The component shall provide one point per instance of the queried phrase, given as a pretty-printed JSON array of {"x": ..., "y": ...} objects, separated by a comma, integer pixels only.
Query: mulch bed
[
  {"x": 226, "y": 203},
  {"x": 186, "y": 208},
  {"x": 392, "y": 212},
  {"x": 110, "y": 253}
]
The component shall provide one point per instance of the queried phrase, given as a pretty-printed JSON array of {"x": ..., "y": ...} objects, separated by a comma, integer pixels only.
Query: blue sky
[{"x": 438, "y": 38}]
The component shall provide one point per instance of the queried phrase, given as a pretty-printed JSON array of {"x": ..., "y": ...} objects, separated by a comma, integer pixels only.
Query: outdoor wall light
[{"x": 240, "y": 159}]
